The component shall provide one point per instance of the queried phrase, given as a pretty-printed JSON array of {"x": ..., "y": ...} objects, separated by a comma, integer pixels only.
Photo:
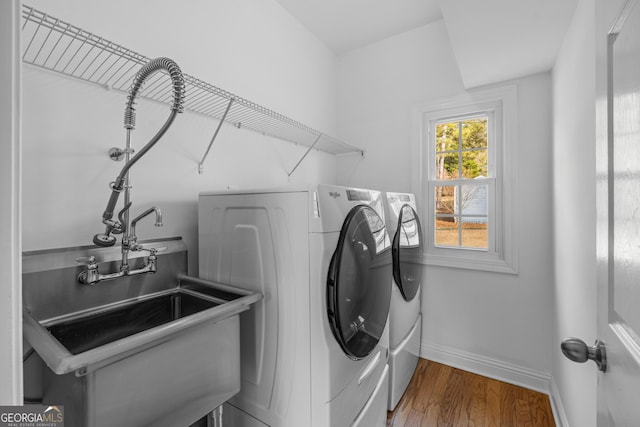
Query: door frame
[{"x": 10, "y": 213}]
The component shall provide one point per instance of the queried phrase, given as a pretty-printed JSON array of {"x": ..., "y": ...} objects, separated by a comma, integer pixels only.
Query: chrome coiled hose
[
  {"x": 149, "y": 69},
  {"x": 177, "y": 81}
]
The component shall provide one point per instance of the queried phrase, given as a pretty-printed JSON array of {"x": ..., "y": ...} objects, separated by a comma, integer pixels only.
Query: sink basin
[
  {"x": 105, "y": 326},
  {"x": 84, "y": 341},
  {"x": 161, "y": 350}
]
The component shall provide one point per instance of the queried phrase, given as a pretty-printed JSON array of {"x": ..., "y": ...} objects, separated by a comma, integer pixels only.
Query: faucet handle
[
  {"x": 91, "y": 274},
  {"x": 152, "y": 251},
  {"x": 90, "y": 260}
]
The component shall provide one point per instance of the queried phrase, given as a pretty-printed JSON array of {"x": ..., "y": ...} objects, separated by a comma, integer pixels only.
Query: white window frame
[{"x": 500, "y": 104}]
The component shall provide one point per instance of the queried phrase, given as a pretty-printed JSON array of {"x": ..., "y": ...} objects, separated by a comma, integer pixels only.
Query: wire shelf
[{"x": 58, "y": 46}]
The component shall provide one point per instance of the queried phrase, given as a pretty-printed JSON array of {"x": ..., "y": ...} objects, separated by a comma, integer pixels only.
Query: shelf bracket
[
  {"x": 224, "y": 116},
  {"x": 304, "y": 155}
]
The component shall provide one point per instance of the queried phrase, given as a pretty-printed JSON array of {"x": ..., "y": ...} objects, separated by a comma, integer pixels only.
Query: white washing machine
[
  {"x": 314, "y": 350},
  {"x": 405, "y": 315}
]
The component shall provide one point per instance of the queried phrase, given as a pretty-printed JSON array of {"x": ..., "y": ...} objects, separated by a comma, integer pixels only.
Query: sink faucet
[
  {"x": 130, "y": 240},
  {"x": 122, "y": 181}
]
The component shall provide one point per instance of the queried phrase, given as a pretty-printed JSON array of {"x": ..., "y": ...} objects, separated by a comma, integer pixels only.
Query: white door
[{"x": 618, "y": 238}]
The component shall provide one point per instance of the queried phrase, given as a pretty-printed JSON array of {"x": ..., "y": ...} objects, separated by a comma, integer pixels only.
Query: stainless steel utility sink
[
  {"x": 165, "y": 356},
  {"x": 79, "y": 334},
  {"x": 89, "y": 339}
]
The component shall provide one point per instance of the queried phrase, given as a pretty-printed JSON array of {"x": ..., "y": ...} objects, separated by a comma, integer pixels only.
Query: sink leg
[{"x": 214, "y": 419}]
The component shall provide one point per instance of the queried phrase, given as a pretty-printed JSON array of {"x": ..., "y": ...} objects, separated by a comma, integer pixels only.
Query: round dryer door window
[
  {"x": 358, "y": 285},
  {"x": 407, "y": 253}
]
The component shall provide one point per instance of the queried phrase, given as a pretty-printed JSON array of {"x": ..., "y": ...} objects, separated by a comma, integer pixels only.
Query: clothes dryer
[
  {"x": 315, "y": 349},
  {"x": 405, "y": 315}
]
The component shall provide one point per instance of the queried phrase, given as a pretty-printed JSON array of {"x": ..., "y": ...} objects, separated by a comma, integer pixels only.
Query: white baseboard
[{"x": 503, "y": 371}]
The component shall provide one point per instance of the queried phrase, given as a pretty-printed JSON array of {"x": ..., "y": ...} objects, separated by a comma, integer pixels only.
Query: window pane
[
  {"x": 474, "y": 200},
  {"x": 474, "y": 211},
  {"x": 474, "y": 133},
  {"x": 475, "y": 234},
  {"x": 446, "y": 232},
  {"x": 447, "y": 166},
  {"x": 475, "y": 164},
  {"x": 447, "y": 137},
  {"x": 445, "y": 200}
]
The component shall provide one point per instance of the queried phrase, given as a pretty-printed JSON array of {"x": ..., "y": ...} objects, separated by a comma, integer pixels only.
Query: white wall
[
  {"x": 378, "y": 85},
  {"x": 574, "y": 213},
  {"x": 493, "y": 323},
  {"x": 507, "y": 319},
  {"x": 252, "y": 48}
]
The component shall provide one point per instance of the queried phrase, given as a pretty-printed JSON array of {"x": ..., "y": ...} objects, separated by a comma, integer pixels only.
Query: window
[
  {"x": 461, "y": 182},
  {"x": 467, "y": 180}
]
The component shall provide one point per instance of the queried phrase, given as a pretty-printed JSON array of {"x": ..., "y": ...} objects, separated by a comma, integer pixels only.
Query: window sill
[{"x": 471, "y": 263}]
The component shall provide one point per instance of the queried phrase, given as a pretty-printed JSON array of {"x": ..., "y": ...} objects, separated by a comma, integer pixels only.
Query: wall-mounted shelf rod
[
  {"x": 215, "y": 134},
  {"x": 54, "y": 45},
  {"x": 304, "y": 155}
]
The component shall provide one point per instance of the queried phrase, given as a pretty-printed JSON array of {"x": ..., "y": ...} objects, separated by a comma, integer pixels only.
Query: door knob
[{"x": 576, "y": 350}]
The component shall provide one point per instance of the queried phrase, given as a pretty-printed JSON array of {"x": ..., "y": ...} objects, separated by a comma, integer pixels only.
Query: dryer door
[
  {"x": 407, "y": 253},
  {"x": 358, "y": 285}
]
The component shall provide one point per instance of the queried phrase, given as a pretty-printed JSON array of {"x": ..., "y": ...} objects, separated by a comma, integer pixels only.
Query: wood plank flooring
[{"x": 439, "y": 395}]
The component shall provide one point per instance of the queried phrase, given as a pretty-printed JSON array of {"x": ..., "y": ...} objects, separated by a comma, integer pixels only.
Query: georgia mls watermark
[{"x": 32, "y": 416}]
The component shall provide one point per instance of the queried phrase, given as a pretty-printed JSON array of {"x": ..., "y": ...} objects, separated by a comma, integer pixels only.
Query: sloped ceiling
[
  {"x": 493, "y": 40},
  {"x": 496, "y": 40},
  {"x": 344, "y": 25}
]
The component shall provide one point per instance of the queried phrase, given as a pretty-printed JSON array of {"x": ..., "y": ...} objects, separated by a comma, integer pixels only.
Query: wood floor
[{"x": 439, "y": 395}]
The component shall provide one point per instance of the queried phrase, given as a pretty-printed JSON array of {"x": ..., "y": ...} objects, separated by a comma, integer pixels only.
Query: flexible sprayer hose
[{"x": 177, "y": 81}]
